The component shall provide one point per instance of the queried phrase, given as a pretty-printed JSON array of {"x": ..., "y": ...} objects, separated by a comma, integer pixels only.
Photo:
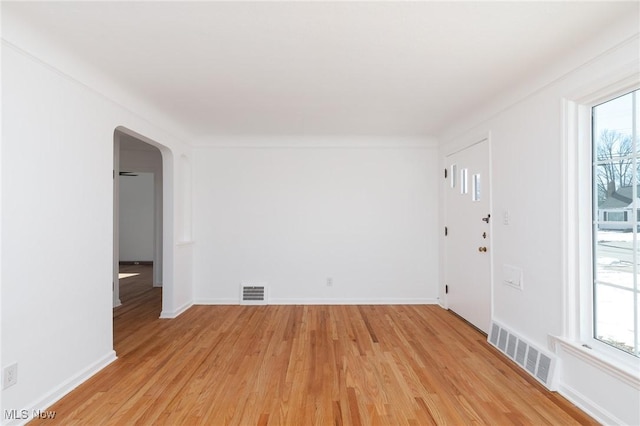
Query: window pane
[
  {"x": 617, "y": 217},
  {"x": 463, "y": 181},
  {"x": 613, "y": 185},
  {"x": 616, "y": 263},
  {"x": 614, "y": 258},
  {"x": 476, "y": 188},
  {"x": 637, "y": 330},
  {"x": 454, "y": 175},
  {"x": 612, "y": 128},
  {"x": 614, "y": 317}
]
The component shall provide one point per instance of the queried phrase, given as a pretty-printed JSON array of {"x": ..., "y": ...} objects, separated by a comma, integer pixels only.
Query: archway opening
[{"x": 141, "y": 206}]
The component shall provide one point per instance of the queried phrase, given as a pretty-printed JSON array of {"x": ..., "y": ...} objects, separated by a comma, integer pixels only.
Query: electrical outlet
[
  {"x": 329, "y": 282},
  {"x": 10, "y": 375}
]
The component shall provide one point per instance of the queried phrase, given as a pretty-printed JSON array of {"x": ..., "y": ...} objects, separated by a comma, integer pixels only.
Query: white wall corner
[
  {"x": 63, "y": 389},
  {"x": 176, "y": 312}
]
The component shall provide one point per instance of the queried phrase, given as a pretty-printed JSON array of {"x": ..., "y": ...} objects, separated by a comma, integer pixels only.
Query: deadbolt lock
[{"x": 482, "y": 249}]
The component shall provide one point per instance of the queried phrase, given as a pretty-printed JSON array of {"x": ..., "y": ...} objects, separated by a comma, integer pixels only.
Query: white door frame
[{"x": 116, "y": 220}]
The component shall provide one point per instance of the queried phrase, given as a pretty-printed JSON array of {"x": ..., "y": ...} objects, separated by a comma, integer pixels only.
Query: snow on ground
[
  {"x": 615, "y": 236},
  {"x": 614, "y": 310}
]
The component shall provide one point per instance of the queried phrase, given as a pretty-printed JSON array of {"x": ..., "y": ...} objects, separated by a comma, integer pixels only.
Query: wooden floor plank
[{"x": 303, "y": 365}]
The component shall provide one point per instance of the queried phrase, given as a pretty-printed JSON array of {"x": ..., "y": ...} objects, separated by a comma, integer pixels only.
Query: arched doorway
[{"x": 139, "y": 159}]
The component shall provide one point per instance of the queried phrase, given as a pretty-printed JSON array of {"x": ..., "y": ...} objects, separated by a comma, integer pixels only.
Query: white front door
[{"x": 468, "y": 234}]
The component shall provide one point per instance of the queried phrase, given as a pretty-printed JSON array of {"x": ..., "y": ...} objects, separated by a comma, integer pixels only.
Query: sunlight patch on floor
[{"x": 122, "y": 275}]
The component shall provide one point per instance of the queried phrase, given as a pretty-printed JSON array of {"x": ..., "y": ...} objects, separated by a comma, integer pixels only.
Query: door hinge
[
  {"x": 445, "y": 173},
  {"x": 446, "y": 289},
  {"x": 446, "y": 231}
]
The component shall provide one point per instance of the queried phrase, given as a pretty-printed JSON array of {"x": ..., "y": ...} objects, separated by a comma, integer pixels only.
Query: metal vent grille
[
  {"x": 511, "y": 346},
  {"x": 253, "y": 294},
  {"x": 493, "y": 338},
  {"x": 521, "y": 352},
  {"x": 533, "y": 360},
  {"x": 502, "y": 340},
  {"x": 544, "y": 365}
]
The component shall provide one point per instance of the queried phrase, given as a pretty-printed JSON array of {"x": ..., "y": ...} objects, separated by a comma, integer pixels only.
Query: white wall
[
  {"x": 137, "y": 217},
  {"x": 57, "y": 163},
  {"x": 293, "y": 217},
  {"x": 527, "y": 165}
]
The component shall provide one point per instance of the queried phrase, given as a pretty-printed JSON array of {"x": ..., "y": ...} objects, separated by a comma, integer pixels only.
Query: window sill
[{"x": 626, "y": 372}]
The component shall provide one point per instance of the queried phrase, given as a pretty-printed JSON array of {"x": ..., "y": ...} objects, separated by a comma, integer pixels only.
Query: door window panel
[
  {"x": 463, "y": 181},
  {"x": 476, "y": 187},
  {"x": 454, "y": 175}
]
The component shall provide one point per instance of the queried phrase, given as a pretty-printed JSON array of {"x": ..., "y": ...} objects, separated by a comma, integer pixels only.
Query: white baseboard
[
  {"x": 66, "y": 387},
  {"x": 585, "y": 404},
  {"x": 284, "y": 301},
  {"x": 175, "y": 313},
  {"x": 235, "y": 301},
  {"x": 304, "y": 301}
]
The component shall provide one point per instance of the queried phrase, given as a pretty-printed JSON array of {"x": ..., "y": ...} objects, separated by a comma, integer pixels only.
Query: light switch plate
[{"x": 512, "y": 276}]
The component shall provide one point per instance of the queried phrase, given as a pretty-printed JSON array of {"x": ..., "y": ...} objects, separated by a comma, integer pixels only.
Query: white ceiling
[{"x": 320, "y": 68}]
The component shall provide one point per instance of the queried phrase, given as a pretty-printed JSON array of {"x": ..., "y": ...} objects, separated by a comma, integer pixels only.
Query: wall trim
[
  {"x": 328, "y": 142},
  {"x": 176, "y": 312},
  {"x": 43, "y": 51},
  {"x": 318, "y": 301},
  {"x": 215, "y": 301},
  {"x": 588, "y": 406},
  {"x": 390, "y": 301},
  {"x": 608, "y": 42},
  {"x": 598, "y": 360},
  {"x": 67, "y": 386}
]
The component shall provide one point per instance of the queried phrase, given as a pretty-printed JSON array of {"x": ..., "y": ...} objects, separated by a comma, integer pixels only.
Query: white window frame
[{"x": 577, "y": 235}]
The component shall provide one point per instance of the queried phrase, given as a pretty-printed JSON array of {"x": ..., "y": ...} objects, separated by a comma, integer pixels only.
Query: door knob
[{"x": 482, "y": 249}]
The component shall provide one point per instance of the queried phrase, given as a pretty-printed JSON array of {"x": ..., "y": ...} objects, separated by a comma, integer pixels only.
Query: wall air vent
[
  {"x": 533, "y": 360},
  {"x": 253, "y": 294}
]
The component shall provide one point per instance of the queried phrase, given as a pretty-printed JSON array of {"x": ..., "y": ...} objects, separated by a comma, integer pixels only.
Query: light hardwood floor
[{"x": 305, "y": 365}]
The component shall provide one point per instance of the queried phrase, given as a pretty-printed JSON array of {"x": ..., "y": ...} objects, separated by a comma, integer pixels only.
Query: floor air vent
[
  {"x": 536, "y": 362},
  {"x": 253, "y": 294}
]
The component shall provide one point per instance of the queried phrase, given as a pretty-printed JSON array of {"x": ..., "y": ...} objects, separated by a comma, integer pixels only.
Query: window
[
  {"x": 454, "y": 171},
  {"x": 616, "y": 241},
  {"x": 614, "y": 216},
  {"x": 475, "y": 195},
  {"x": 463, "y": 181}
]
